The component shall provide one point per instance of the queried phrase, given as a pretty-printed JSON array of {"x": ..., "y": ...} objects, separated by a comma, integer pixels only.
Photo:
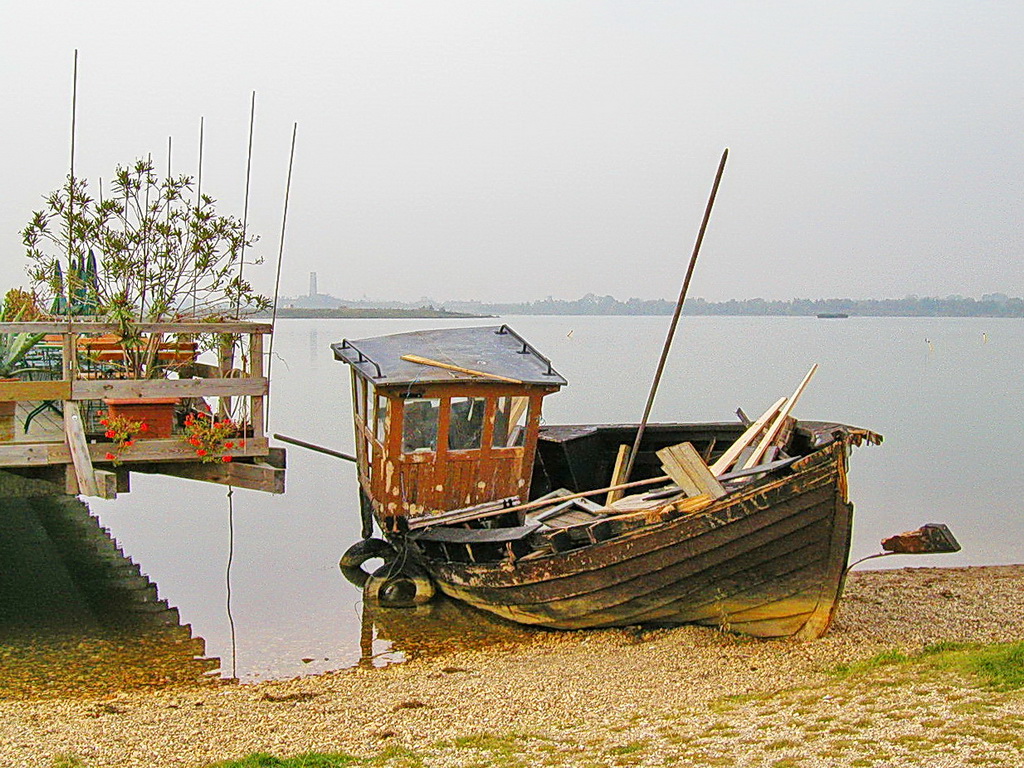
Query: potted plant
[
  {"x": 149, "y": 250},
  {"x": 14, "y": 348}
]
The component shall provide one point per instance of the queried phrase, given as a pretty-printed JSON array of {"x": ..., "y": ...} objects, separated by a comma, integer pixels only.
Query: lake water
[{"x": 945, "y": 393}]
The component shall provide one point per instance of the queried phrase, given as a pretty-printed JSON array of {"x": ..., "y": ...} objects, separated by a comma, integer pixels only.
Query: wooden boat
[{"x": 475, "y": 497}]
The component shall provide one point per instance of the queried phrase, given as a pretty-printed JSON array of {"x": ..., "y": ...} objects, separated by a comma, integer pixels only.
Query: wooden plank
[
  {"x": 35, "y": 390},
  {"x": 26, "y": 454},
  {"x": 777, "y": 424},
  {"x": 621, "y": 462},
  {"x": 78, "y": 447},
  {"x": 457, "y": 368},
  {"x": 675, "y": 469},
  {"x": 257, "y": 476},
  {"x": 732, "y": 453},
  {"x": 169, "y": 449},
  {"x": 126, "y": 388},
  {"x": 686, "y": 467},
  {"x": 88, "y": 326}
]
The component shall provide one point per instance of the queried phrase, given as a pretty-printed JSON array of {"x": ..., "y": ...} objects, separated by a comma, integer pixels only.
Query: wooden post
[
  {"x": 226, "y": 360},
  {"x": 256, "y": 371},
  {"x": 79, "y": 447}
]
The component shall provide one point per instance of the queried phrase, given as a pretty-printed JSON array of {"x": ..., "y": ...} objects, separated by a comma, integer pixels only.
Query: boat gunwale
[{"x": 575, "y": 562}]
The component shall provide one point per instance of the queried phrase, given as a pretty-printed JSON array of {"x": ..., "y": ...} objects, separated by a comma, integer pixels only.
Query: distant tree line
[{"x": 990, "y": 305}]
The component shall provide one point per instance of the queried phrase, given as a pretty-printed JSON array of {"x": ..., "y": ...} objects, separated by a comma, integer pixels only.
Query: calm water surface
[{"x": 945, "y": 393}]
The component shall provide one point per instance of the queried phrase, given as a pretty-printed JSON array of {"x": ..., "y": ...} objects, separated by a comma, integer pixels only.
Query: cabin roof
[{"x": 492, "y": 349}]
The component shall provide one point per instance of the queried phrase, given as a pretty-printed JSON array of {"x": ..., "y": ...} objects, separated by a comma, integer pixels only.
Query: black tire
[
  {"x": 351, "y": 562},
  {"x": 394, "y": 587}
]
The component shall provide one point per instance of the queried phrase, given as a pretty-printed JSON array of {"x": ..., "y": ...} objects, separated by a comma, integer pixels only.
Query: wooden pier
[{"x": 56, "y": 436}]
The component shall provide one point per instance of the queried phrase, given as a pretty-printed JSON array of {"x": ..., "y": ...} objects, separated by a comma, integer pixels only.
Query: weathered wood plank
[
  {"x": 773, "y": 431},
  {"x": 88, "y": 326},
  {"x": 458, "y": 369},
  {"x": 125, "y": 388},
  {"x": 618, "y": 472},
  {"x": 169, "y": 449},
  {"x": 78, "y": 447},
  {"x": 256, "y": 371},
  {"x": 732, "y": 453},
  {"x": 35, "y": 390},
  {"x": 686, "y": 467},
  {"x": 257, "y": 476},
  {"x": 26, "y": 454}
]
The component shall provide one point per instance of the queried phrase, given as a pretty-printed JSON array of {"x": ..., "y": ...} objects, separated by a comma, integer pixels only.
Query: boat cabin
[{"x": 445, "y": 419}]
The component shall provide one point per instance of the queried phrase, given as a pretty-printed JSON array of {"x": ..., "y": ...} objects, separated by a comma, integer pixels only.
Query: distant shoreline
[
  {"x": 990, "y": 305},
  {"x": 350, "y": 313}
]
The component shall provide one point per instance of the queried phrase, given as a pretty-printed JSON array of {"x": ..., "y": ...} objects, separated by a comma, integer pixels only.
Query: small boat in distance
[
  {"x": 832, "y": 315},
  {"x": 742, "y": 526}
]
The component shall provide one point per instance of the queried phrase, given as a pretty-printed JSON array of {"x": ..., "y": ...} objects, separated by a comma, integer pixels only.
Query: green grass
[
  {"x": 999, "y": 666},
  {"x": 308, "y": 760}
]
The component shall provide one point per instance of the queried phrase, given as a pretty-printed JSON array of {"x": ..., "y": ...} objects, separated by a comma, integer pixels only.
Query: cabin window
[
  {"x": 419, "y": 424},
  {"x": 509, "y": 417},
  {"x": 380, "y": 423},
  {"x": 466, "y": 423},
  {"x": 359, "y": 393}
]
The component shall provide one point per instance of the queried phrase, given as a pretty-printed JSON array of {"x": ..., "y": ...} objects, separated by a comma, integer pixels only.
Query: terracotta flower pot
[{"x": 157, "y": 412}]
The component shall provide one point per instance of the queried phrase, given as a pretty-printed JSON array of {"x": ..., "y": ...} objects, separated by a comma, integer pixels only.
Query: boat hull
[{"x": 769, "y": 561}]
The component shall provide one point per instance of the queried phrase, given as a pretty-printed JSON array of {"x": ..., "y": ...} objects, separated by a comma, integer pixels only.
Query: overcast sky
[{"x": 514, "y": 150}]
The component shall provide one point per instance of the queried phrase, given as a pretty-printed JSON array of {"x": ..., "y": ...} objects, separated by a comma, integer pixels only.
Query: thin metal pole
[
  {"x": 199, "y": 205},
  {"x": 71, "y": 187},
  {"x": 675, "y": 318},
  {"x": 280, "y": 255},
  {"x": 145, "y": 240},
  {"x": 245, "y": 206}
]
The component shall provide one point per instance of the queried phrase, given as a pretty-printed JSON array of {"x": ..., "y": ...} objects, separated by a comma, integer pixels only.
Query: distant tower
[{"x": 312, "y": 284}]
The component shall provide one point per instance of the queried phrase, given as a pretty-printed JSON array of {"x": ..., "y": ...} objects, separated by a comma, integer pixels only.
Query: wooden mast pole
[{"x": 675, "y": 319}]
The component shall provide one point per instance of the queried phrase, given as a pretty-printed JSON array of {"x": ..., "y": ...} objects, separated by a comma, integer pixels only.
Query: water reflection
[
  {"x": 390, "y": 635},
  {"x": 76, "y": 614}
]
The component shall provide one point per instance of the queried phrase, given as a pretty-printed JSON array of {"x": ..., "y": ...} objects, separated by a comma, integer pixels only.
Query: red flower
[
  {"x": 104, "y": 422},
  {"x": 225, "y": 458},
  {"x": 129, "y": 442},
  {"x": 229, "y": 444},
  {"x": 143, "y": 427},
  {"x": 110, "y": 456},
  {"x": 201, "y": 451},
  {"x": 110, "y": 433}
]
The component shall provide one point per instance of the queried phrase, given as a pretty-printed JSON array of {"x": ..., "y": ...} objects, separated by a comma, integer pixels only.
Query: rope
[{"x": 227, "y": 580}]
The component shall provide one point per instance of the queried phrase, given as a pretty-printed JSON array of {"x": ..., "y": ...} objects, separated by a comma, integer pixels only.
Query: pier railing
[{"x": 79, "y": 363}]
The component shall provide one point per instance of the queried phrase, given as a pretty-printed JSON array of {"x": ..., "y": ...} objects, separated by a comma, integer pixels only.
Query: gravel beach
[{"x": 681, "y": 696}]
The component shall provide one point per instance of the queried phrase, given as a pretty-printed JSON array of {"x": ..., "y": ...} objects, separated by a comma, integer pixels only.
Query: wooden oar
[
  {"x": 458, "y": 369},
  {"x": 776, "y": 426}
]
